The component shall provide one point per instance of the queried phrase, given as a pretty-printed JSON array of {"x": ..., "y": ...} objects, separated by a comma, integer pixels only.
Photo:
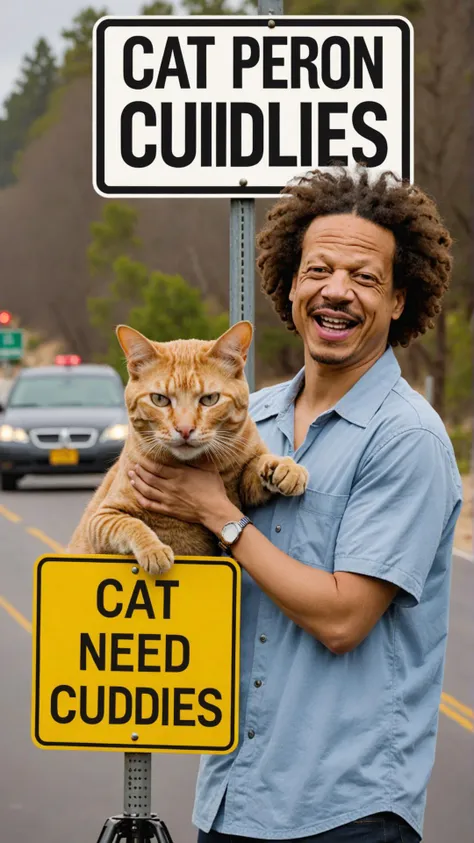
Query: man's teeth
[{"x": 335, "y": 324}]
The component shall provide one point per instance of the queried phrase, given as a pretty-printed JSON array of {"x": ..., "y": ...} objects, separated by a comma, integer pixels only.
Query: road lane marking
[
  {"x": 38, "y": 534},
  {"x": 463, "y": 721},
  {"x": 11, "y": 516},
  {"x": 454, "y": 703},
  {"x": 15, "y": 614}
]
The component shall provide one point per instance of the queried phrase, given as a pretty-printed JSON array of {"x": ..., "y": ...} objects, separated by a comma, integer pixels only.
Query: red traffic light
[{"x": 5, "y": 317}]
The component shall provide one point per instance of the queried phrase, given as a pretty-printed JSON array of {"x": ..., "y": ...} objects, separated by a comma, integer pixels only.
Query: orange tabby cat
[{"x": 187, "y": 402}]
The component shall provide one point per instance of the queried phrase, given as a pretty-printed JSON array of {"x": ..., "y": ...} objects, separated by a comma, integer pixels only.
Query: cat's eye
[
  {"x": 159, "y": 400},
  {"x": 211, "y": 399}
]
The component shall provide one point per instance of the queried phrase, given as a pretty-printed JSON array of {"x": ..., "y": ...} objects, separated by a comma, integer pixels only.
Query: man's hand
[{"x": 194, "y": 495}]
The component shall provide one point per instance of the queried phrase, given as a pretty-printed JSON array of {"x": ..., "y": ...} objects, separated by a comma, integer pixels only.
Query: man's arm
[
  {"x": 338, "y": 609},
  {"x": 399, "y": 504}
]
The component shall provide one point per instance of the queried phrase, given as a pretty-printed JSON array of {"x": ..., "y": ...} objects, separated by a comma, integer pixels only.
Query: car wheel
[{"x": 9, "y": 482}]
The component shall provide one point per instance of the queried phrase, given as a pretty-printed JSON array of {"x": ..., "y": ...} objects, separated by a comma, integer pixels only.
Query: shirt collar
[
  {"x": 360, "y": 404},
  {"x": 357, "y": 406}
]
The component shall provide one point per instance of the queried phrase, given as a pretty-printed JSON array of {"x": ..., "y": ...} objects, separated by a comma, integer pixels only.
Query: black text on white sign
[{"x": 230, "y": 106}]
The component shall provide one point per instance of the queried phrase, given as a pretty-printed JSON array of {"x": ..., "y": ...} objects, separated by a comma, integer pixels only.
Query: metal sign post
[
  {"x": 242, "y": 245},
  {"x": 242, "y": 271},
  {"x": 137, "y": 824}
]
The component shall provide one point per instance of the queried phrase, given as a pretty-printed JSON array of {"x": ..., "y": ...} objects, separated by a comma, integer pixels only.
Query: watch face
[{"x": 230, "y": 533}]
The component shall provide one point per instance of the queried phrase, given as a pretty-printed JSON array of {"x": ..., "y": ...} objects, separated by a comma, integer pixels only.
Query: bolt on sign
[
  {"x": 127, "y": 661},
  {"x": 239, "y": 106}
]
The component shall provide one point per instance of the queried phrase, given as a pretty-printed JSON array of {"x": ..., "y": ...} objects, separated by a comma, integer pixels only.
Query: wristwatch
[{"x": 231, "y": 532}]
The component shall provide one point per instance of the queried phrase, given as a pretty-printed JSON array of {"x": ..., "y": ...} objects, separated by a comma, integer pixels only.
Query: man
[{"x": 345, "y": 590}]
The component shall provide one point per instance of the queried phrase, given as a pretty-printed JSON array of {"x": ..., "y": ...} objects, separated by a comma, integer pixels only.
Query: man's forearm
[{"x": 308, "y": 596}]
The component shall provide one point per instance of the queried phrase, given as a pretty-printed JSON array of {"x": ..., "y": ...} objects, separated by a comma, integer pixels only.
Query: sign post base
[{"x": 137, "y": 824}]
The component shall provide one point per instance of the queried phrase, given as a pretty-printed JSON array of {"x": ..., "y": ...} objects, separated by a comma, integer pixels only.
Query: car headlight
[
  {"x": 114, "y": 433},
  {"x": 13, "y": 434}
]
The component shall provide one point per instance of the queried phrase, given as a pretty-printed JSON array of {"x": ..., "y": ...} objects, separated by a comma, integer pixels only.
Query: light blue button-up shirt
[{"x": 326, "y": 739}]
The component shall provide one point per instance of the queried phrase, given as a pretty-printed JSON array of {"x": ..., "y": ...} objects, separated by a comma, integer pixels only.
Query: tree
[
  {"x": 172, "y": 309},
  {"x": 459, "y": 368},
  {"x": 353, "y": 7},
  {"x": 111, "y": 236},
  {"x": 158, "y": 8},
  {"x": 218, "y": 7},
  {"x": 444, "y": 74},
  {"x": 78, "y": 55},
  {"x": 163, "y": 307},
  {"x": 281, "y": 350},
  {"x": 27, "y": 102}
]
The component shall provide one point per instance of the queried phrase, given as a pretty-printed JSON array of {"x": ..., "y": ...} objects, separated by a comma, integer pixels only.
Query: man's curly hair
[{"x": 422, "y": 261}]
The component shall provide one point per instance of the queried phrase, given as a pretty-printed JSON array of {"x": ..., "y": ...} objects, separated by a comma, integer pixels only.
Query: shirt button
[
  {"x": 263, "y": 638},
  {"x": 277, "y": 529},
  {"x": 258, "y": 683},
  {"x": 251, "y": 734}
]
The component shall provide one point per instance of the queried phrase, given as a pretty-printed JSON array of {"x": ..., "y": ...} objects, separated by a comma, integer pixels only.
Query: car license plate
[{"x": 64, "y": 456}]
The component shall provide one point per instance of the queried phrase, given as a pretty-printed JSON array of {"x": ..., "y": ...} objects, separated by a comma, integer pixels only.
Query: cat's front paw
[
  {"x": 155, "y": 558},
  {"x": 283, "y": 475}
]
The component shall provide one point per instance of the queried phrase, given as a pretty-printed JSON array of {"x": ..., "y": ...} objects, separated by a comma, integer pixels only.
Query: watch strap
[{"x": 242, "y": 523}]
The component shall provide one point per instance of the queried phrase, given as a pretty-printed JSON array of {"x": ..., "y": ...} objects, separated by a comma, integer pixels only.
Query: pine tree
[
  {"x": 78, "y": 56},
  {"x": 27, "y": 102}
]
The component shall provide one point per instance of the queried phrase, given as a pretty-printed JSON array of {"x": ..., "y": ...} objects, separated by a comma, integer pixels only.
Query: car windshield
[{"x": 63, "y": 390}]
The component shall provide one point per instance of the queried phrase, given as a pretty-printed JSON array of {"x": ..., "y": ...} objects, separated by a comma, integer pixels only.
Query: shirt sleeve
[{"x": 398, "y": 509}]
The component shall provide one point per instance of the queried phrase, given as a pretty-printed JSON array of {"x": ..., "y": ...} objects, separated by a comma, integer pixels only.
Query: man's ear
[
  {"x": 233, "y": 346},
  {"x": 400, "y": 297},
  {"x": 138, "y": 349},
  {"x": 291, "y": 294}
]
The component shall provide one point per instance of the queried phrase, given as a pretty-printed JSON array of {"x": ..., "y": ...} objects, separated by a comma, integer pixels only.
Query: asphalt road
[{"x": 64, "y": 797}]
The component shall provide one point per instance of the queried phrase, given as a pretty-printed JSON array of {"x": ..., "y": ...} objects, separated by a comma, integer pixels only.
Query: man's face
[{"x": 343, "y": 297}]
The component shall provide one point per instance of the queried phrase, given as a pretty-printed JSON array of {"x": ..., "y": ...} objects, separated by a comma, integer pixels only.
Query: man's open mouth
[{"x": 332, "y": 323}]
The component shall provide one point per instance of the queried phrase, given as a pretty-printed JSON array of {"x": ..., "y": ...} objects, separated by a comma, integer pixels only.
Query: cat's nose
[{"x": 185, "y": 431}]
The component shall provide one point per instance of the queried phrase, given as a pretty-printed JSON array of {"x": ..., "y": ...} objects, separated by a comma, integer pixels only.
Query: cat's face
[{"x": 189, "y": 397}]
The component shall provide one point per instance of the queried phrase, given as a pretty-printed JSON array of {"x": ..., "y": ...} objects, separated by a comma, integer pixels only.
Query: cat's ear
[
  {"x": 233, "y": 346},
  {"x": 138, "y": 350}
]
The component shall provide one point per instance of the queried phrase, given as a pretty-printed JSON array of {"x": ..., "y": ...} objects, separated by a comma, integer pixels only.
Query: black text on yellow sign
[{"x": 127, "y": 661}]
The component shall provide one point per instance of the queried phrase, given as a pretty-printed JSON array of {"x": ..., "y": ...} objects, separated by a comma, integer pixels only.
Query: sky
[{"x": 24, "y": 21}]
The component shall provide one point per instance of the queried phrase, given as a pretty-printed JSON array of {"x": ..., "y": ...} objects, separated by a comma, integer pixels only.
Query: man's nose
[{"x": 338, "y": 286}]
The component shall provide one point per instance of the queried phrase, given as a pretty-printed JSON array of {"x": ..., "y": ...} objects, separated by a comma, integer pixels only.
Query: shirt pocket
[{"x": 317, "y": 521}]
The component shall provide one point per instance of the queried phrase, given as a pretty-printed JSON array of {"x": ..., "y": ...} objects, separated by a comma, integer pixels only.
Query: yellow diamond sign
[{"x": 127, "y": 661}]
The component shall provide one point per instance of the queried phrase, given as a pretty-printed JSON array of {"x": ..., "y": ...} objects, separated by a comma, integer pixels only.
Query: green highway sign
[{"x": 11, "y": 344}]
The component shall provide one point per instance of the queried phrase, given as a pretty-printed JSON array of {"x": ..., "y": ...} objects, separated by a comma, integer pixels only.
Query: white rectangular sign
[{"x": 239, "y": 106}]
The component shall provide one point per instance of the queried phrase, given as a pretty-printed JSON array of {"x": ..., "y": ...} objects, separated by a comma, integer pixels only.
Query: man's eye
[
  {"x": 319, "y": 269},
  {"x": 365, "y": 277},
  {"x": 211, "y": 399},
  {"x": 159, "y": 400}
]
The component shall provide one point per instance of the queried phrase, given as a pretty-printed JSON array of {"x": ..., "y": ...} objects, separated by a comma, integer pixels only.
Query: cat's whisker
[
  {"x": 153, "y": 447},
  {"x": 236, "y": 446},
  {"x": 232, "y": 435},
  {"x": 230, "y": 447},
  {"x": 224, "y": 452},
  {"x": 229, "y": 439}
]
